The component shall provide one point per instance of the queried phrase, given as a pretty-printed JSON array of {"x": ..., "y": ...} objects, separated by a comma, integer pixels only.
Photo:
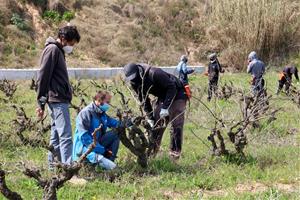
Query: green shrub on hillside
[
  {"x": 55, "y": 17},
  {"x": 68, "y": 16},
  {"x": 52, "y": 15},
  {"x": 18, "y": 21}
]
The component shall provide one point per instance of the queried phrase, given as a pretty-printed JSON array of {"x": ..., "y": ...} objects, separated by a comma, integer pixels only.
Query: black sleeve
[
  {"x": 48, "y": 60},
  {"x": 164, "y": 81},
  {"x": 220, "y": 67},
  {"x": 209, "y": 68}
]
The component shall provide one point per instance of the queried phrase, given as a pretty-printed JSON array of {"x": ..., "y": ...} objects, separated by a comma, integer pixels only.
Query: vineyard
[{"x": 236, "y": 146}]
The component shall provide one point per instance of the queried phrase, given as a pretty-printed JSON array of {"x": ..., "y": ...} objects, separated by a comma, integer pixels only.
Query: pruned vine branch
[
  {"x": 66, "y": 172},
  {"x": 5, "y": 190},
  {"x": 254, "y": 108},
  {"x": 8, "y": 88},
  {"x": 24, "y": 123}
]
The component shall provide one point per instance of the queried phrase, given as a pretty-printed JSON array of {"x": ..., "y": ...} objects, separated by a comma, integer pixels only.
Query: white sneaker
[{"x": 77, "y": 181}]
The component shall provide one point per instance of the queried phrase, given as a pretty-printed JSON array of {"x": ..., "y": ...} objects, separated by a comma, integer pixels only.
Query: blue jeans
[
  {"x": 61, "y": 133},
  {"x": 111, "y": 141}
]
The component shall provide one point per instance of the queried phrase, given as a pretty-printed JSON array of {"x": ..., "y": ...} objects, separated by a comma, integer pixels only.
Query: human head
[
  {"x": 212, "y": 57},
  {"x": 252, "y": 56},
  {"x": 101, "y": 98},
  {"x": 132, "y": 73},
  {"x": 184, "y": 58},
  {"x": 68, "y": 36}
]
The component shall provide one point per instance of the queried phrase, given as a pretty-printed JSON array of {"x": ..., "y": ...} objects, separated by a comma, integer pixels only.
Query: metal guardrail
[{"x": 78, "y": 73}]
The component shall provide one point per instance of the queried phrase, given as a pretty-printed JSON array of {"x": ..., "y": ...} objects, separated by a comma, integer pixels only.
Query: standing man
[
  {"x": 170, "y": 105},
  {"x": 285, "y": 78},
  {"x": 55, "y": 90},
  {"x": 183, "y": 71},
  {"x": 213, "y": 72},
  {"x": 257, "y": 69}
]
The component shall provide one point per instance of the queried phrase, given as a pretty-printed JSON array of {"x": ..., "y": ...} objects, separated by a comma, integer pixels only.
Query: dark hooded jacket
[
  {"x": 53, "y": 80},
  {"x": 214, "y": 69},
  {"x": 166, "y": 87},
  {"x": 289, "y": 71}
]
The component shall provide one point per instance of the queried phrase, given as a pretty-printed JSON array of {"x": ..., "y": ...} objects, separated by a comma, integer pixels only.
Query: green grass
[{"x": 272, "y": 156}]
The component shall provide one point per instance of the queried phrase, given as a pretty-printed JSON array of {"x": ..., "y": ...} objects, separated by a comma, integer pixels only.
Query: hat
[
  {"x": 184, "y": 58},
  {"x": 131, "y": 71},
  {"x": 212, "y": 57},
  {"x": 252, "y": 56}
]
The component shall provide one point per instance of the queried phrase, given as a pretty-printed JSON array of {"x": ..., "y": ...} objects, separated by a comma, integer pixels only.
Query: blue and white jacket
[
  {"x": 183, "y": 71},
  {"x": 87, "y": 121}
]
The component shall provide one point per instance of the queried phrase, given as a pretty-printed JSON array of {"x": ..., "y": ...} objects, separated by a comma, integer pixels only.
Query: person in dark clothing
[
  {"x": 213, "y": 71},
  {"x": 54, "y": 89},
  {"x": 170, "y": 105},
  {"x": 183, "y": 72},
  {"x": 285, "y": 78}
]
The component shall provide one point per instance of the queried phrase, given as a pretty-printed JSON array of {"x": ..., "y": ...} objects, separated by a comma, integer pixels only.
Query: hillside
[{"x": 115, "y": 32}]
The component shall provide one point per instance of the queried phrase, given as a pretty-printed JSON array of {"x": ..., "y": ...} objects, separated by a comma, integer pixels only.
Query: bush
[
  {"x": 55, "y": 17},
  {"x": 68, "y": 16},
  {"x": 52, "y": 16},
  {"x": 18, "y": 21}
]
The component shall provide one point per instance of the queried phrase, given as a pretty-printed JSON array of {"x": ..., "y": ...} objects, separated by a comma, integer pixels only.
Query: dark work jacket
[
  {"x": 214, "y": 70},
  {"x": 53, "y": 80},
  {"x": 164, "y": 86},
  {"x": 289, "y": 71}
]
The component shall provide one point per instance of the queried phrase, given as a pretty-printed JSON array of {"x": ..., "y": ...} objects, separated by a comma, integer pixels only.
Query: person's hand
[
  {"x": 150, "y": 122},
  {"x": 164, "y": 113},
  {"x": 39, "y": 112}
]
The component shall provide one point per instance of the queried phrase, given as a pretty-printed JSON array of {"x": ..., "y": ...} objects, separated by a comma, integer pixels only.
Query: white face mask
[{"x": 68, "y": 49}]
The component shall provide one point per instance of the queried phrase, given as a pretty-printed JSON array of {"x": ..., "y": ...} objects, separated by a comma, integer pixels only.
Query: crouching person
[
  {"x": 285, "y": 78},
  {"x": 90, "y": 118}
]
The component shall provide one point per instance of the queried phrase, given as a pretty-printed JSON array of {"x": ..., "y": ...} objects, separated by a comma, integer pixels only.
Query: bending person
[
  {"x": 169, "y": 107},
  {"x": 285, "y": 78}
]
